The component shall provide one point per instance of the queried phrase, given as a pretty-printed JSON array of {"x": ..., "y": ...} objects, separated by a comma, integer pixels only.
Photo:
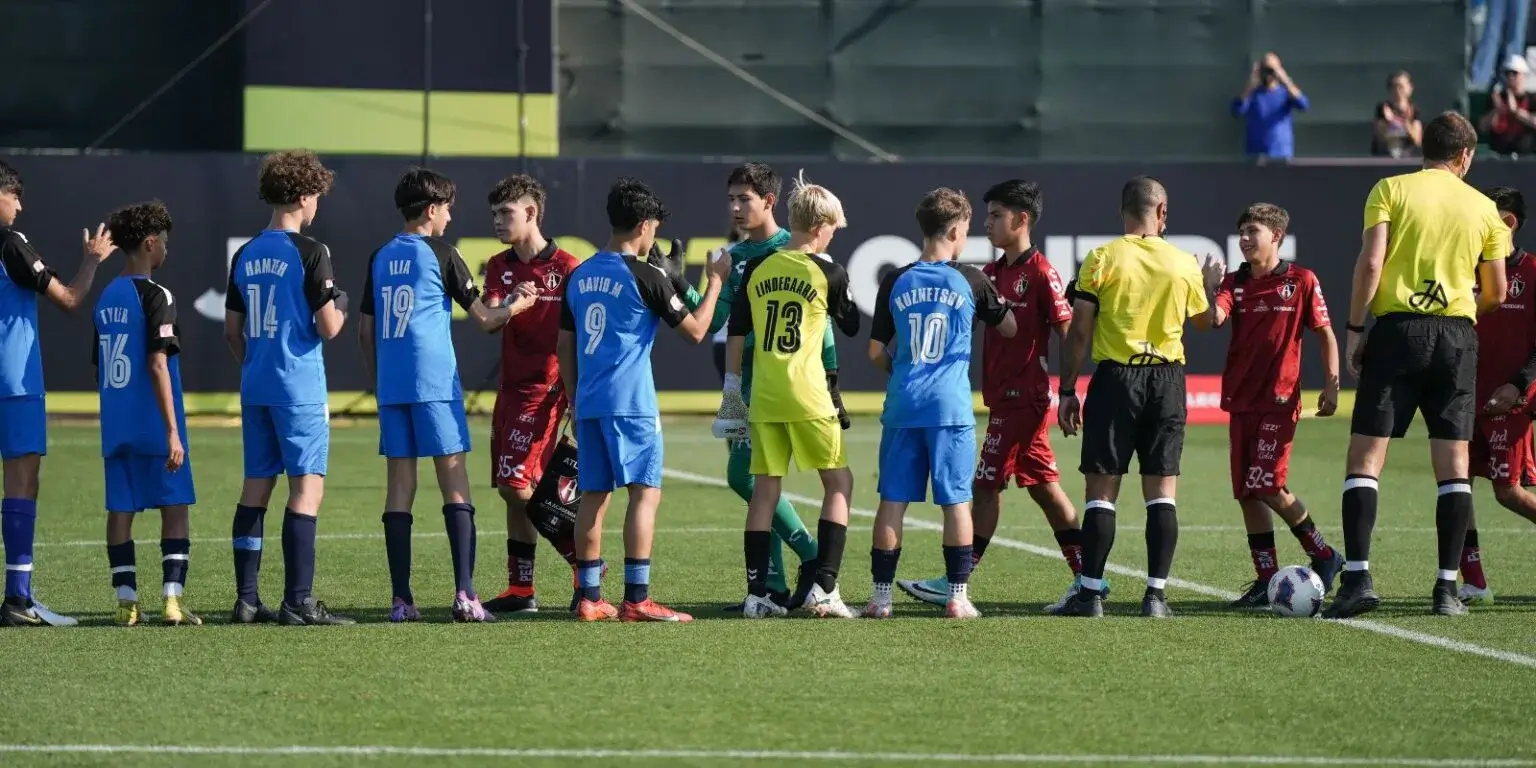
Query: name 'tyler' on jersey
[{"x": 135, "y": 317}]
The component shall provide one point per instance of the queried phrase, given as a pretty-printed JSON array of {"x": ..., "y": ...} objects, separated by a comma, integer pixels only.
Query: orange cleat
[
  {"x": 602, "y": 610},
  {"x": 650, "y": 610}
]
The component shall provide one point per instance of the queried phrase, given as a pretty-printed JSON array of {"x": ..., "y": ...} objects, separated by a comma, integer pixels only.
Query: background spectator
[
  {"x": 1398, "y": 131},
  {"x": 1509, "y": 127},
  {"x": 1503, "y": 37},
  {"x": 1266, "y": 105}
]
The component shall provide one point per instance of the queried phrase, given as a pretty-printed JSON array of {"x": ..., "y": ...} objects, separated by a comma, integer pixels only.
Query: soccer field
[{"x": 1210, "y": 687}]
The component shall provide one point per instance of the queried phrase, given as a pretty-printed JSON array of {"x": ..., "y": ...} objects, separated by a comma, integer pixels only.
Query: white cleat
[
  {"x": 960, "y": 608},
  {"x": 827, "y": 606},
  {"x": 877, "y": 610},
  {"x": 755, "y": 607},
  {"x": 1471, "y": 595}
]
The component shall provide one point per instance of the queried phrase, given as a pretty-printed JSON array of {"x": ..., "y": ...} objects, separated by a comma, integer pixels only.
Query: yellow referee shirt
[
  {"x": 1439, "y": 228},
  {"x": 1145, "y": 288},
  {"x": 785, "y": 299}
]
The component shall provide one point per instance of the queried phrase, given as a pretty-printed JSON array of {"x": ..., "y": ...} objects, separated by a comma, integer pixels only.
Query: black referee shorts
[
  {"x": 1419, "y": 363},
  {"x": 1136, "y": 409}
]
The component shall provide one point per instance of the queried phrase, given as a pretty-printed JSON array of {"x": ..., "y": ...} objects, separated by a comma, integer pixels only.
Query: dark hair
[
  {"x": 1140, "y": 195},
  {"x": 514, "y": 188},
  {"x": 288, "y": 176},
  {"x": 1447, "y": 136},
  {"x": 758, "y": 176},
  {"x": 1509, "y": 200},
  {"x": 1403, "y": 73},
  {"x": 631, "y": 203},
  {"x": 420, "y": 188},
  {"x": 131, "y": 225},
  {"x": 1268, "y": 214},
  {"x": 940, "y": 209},
  {"x": 10, "y": 179},
  {"x": 1019, "y": 196}
]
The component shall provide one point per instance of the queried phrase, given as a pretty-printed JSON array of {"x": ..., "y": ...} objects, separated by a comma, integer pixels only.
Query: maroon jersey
[
  {"x": 528, "y": 361},
  {"x": 1506, "y": 335},
  {"x": 1268, "y": 315},
  {"x": 1013, "y": 371}
]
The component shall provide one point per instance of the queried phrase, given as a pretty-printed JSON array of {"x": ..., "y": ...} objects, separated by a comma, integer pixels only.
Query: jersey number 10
[{"x": 929, "y": 335}]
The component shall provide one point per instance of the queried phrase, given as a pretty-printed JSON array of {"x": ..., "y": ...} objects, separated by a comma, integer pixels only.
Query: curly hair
[
  {"x": 514, "y": 188},
  {"x": 1268, "y": 214},
  {"x": 131, "y": 225},
  {"x": 10, "y": 179},
  {"x": 289, "y": 175}
]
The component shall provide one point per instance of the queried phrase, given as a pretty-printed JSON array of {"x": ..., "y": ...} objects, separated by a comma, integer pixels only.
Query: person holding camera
[{"x": 1265, "y": 105}]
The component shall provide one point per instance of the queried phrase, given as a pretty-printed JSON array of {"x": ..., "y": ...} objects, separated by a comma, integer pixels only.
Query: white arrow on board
[{"x": 211, "y": 303}]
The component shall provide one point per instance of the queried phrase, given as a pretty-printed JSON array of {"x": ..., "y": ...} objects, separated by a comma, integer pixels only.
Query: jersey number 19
[{"x": 399, "y": 303}]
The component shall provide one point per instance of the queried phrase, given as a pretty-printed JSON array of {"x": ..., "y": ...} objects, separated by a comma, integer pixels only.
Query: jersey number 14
[{"x": 262, "y": 320}]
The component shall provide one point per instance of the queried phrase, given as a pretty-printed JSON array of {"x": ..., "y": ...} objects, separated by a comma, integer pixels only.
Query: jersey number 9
[
  {"x": 399, "y": 302},
  {"x": 787, "y": 339},
  {"x": 116, "y": 369},
  {"x": 596, "y": 321}
]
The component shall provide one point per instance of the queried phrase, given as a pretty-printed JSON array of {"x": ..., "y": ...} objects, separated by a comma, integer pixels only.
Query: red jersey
[
  {"x": 528, "y": 359},
  {"x": 1014, "y": 371},
  {"x": 1506, "y": 335},
  {"x": 1268, "y": 315}
]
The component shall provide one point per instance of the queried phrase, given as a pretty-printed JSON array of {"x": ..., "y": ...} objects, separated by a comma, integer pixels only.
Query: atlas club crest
[
  {"x": 1287, "y": 290},
  {"x": 1516, "y": 287},
  {"x": 552, "y": 280},
  {"x": 1020, "y": 286}
]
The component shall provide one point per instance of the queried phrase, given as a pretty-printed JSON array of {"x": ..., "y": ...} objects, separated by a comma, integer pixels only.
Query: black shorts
[
  {"x": 1418, "y": 363},
  {"x": 1134, "y": 409}
]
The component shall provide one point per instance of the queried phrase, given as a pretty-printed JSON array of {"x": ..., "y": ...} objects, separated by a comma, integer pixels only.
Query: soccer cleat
[
  {"x": 755, "y": 607},
  {"x": 650, "y": 610},
  {"x": 401, "y": 611},
  {"x": 779, "y": 598},
  {"x": 877, "y": 609},
  {"x": 1084, "y": 604},
  {"x": 512, "y": 601},
  {"x": 25, "y": 612},
  {"x": 311, "y": 612},
  {"x": 1329, "y": 569},
  {"x": 602, "y": 610},
  {"x": 803, "y": 583},
  {"x": 1353, "y": 599},
  {"x": 934, "y": 591},
  {"x": 1446, "y": 601},
  {"x": 127, "y": 613},
  {"x": 1471, "y": 595},
  {"x": 825, "y": 605},
  {"x": 468, "y": 610},
  {"x": 1255, "y": 597},
  {"x": 1156, "y": 607},
  {"x": 245, "y": 613},
  {"x": 960, "y": 608},
  {"x": 175, "y": 615}
]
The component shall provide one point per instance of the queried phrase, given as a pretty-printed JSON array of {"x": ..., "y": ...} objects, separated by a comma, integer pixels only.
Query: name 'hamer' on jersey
[
  {"x": 1501, "y": 446},
  {"x": 530, "y": 402}
]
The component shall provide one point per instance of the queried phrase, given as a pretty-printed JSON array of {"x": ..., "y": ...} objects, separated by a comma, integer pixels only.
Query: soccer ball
[{"x": 1296, "y": 592}]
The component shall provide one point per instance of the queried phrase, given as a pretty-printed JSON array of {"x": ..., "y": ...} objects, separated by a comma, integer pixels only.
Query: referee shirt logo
[{"x": 1431, "y": 297}]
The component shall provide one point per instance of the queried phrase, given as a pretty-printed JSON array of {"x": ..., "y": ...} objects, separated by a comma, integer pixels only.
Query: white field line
[
  {"x": 754, "y": 754},
  {"x": 1204, "y": 589}
]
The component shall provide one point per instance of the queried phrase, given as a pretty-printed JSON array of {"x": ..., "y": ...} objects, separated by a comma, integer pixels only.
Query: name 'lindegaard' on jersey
[
  {"x": 413, "y": 282},
  {"x": 134, "y": 318},
  {"x": 278, "y": 281}
]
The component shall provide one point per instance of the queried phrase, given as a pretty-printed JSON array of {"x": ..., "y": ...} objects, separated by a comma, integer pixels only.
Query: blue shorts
[
  {"x": 23, "y": 426},
  {"x": 419, "y": 430},
  {"x": 909, "y": 457},
  {"x": 136, "y": 482},
  {"x": 286, "y": 439},
  {"x": 614, "y": 451}
]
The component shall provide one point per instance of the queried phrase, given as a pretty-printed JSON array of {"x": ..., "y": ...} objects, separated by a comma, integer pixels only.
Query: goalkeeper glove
[
  {"x": 837, "y": 400},
  {"x": 671, "y": 265},
  {"x": 731, "y": 419}
]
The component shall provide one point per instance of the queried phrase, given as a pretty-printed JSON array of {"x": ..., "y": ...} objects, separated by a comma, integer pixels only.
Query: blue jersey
[
  {"x": 924, "y": 313},
  {"x": 135, "y": 317},
  {"x": 22, "y": 277},
  {"x": 612, "y": 304},
  {"x": 411, "y": 283},
  {"x": 279, "y": 280}
]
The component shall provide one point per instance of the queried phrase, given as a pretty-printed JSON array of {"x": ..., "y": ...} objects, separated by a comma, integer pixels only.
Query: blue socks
[
  {"x": 298, "y": 557},
  {"x": 460, "y": 522},
  {"x": 125, "y": 573},
  {"x": 175, "y": 557},
  {"x": 397, "y": 547},
  {"x": 246, "y": 533},
  {"x": 589, "y": 579},
  {"x": 637, "y": 579},
  {"x": 18, "y": 522}
]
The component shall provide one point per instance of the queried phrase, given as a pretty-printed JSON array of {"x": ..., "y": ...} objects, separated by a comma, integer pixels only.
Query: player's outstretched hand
[
  {"x": 1212, "y": 270},
  {"x": 720, "y": 266},
  {"x": 341, "y": 301},
  {"x": 1503, "y": 399},
  {"x": 176, "y": 454},
  {"x": 1328, "y": 399},
  {"x": 98, "y": 246},
  {"x": 671, "y": 264},
  {"x": 524, "y": 296},
  {"x": 1069, "y": 415}
]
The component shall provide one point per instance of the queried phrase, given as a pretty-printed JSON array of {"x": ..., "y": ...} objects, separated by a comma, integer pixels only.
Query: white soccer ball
[{"x": 1296, "y": 591}]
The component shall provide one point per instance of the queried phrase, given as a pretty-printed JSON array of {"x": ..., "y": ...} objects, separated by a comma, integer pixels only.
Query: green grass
[{"x": 1209, "y": 682}]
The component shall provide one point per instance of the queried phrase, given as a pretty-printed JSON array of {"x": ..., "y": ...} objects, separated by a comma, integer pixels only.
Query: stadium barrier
[{"x": 213, "y": 201}]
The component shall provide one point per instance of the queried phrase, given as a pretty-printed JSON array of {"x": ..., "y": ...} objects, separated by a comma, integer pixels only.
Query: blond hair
[{"x": 812, "y": 205}]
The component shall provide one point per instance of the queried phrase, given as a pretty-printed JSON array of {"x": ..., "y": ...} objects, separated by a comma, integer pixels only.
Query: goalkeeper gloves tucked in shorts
[{"x": 731, "y": 419}]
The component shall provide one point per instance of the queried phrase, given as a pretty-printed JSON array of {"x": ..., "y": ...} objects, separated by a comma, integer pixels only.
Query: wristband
[
  {"x": 1066, "y": 393},
  {"x": 1354, "y": 328}
]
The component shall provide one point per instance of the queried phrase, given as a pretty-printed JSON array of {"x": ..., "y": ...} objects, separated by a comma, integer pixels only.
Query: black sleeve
[
  {"x": 366, "y": 306},
  {"x": 741, "y": 307},
  {"x": 883, "y": 327},
  {"x": 160, "y": 331},
  {"x": 319, "y": 279},
  {"x": 233, "y": 301},
  {"x": 657, "y": 292},
  {"x": 840, "y": 306},
  {"x": 23, "y": 264},
  {"x": 567, "y": 320},
  {"x": 989, "y": 305},
  {"x": 458, "y": 282}
]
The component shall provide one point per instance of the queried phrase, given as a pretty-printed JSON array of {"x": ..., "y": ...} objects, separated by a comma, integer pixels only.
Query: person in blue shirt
[
  {"x": 405, "y": 327},
  {"x": 282, "y": 302},
  {"x": 1266, "y": 105},
  {"x": 921, "y": 335},
  {"x": 143, "y": 422},
  {"x": 23, "y": 418},
  {"x": 613, "y": 301}
]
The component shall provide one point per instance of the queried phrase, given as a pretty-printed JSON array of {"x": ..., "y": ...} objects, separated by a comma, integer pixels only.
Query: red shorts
[
  {"x": 1501, "y": 449},
  {"x": 1018, "y": 445},
  {"x": 525, "y": 428},
  {"x": 1261, "y": 452}
]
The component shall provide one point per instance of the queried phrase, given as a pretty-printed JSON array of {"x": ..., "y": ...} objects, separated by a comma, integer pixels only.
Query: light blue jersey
[
  {"x": 612, "y": 304},
  {"x": 279, "y": 280},
  {"x": 23, "y": 277},
  {"x": 135, "y": 317},
  {"x": 413, "y": 282}
]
